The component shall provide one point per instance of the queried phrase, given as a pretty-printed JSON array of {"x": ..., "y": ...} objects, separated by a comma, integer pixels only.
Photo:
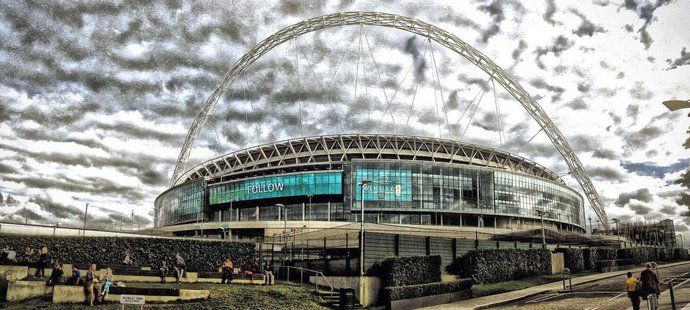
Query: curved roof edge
[{"x": 326, "y": 149}]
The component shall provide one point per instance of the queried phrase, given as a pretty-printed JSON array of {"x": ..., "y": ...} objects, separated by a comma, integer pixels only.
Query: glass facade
[
  {"x": 289, "y": 185},
  {"x": 463, "y": 189},
  {"x": 401, "y": 192},
  {"x": 179, "y": 204}
]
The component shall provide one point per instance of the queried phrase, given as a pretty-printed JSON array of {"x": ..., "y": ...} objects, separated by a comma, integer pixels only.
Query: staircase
[{"x": 332, "y": 299}]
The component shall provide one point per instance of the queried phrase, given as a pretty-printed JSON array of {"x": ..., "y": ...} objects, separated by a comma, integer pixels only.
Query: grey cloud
[
  {"x": 668, "y": 209},
  {"x": 30, "y": 215},
  {"x": 640, "y": 138},
  {"x": 639, "y": 209},
  {"x": 632, "y": 111},
  {"x": 639, "y": 91},
  {"x": 522, "y": 46},
  {"x": 605, "y": 173},
  {"x": 645, "y": 11},
  {"x": 654, "y": 170},
  {"x": 487, "y": 121},
  {"x": 604, "y": 153},
  {"x": 550, "y": 10},
  {"x": 680, "y": 228},
  {"x": 641, "y": 194},
  {"x": 541, "y": 84},
  {"x": 559, "y": 45},
  {"x": 586, "y": 28},
  {"x": 577, "y": 104},
  {"x": 58, "y": 210},
  {"x": 683, "y": 60}
]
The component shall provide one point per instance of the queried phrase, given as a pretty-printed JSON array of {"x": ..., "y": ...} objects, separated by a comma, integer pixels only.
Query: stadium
[{"x": 315, "y": 182}]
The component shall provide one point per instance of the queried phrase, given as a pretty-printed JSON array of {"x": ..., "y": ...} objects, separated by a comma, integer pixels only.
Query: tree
[
  {"x": 2, "y": 200},
  {"x": 684, "y": 181}
]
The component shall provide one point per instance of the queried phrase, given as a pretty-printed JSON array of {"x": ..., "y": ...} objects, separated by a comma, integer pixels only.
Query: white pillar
[
  {"x": 303, "y": 211},
  {"x": 328, "y": 215}
]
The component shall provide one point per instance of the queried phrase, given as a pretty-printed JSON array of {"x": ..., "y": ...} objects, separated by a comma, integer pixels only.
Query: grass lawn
[
  {"x": 480, "y": 290},
  {"x": 235, "y": 296}
]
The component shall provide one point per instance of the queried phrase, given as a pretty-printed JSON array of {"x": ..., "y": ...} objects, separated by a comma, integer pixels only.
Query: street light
[
  {"x": 543, "y": 236},
  {"x": 86, "y": 212},
  {"x": 591, "y": 229},
  {"x": 281, "y": 208},
  {"x": 361, "y": 226},
  {"x": 618, "y": 234},
  {"x": 682, "y": 242}
]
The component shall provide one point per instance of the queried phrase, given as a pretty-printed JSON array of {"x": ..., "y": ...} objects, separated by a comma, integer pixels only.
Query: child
[{"x": 107, "y": 282}]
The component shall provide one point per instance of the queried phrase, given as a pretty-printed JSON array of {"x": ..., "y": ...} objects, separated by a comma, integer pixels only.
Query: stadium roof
[{"x": 327, "y": 149}]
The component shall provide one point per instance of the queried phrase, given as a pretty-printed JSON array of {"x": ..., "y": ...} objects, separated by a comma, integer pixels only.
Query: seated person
[
  {"x": 107, "y": 283},
  {"x": 164, "y": 271},
  {"x": 226, "y": 269},
  {"x": 9, "y": 254},
  {"x": 75, "y": 279},
  {"x": 55, "y": 275},
  {"x": 128, "y": 259}
]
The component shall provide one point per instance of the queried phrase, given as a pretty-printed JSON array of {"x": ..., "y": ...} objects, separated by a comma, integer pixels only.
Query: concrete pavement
[{"x": 503, "y": 298}]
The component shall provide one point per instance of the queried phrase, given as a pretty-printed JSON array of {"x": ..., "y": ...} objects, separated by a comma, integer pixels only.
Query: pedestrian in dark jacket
[
  {"x": 55, "y": 275},
  {"x": 650, "y": 286}
]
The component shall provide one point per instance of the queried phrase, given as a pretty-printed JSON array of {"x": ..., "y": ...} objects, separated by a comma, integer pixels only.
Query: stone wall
[{"x": 200, "y": 255}]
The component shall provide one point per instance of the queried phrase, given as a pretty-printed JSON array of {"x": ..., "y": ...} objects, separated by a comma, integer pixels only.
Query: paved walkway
[{"x": 498, "y": 299}]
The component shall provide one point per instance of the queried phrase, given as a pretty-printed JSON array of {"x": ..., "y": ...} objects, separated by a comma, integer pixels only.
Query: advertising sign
[
  {"x": 301, "y": 184},
  {"x": 386, "y": 185},
  {"x": 132, "y": 299}
]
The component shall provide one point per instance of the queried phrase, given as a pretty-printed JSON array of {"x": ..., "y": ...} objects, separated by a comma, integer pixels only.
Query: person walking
[
  {"x": 91, "y": 284},
  {"x": 180, "y": 266},
  {"x": 631, "y": 287},
  {"x": 650, "y": 286}
]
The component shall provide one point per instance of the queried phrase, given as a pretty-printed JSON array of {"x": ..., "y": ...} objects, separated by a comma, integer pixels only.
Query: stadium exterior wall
[{"x": 416, "y": 181}]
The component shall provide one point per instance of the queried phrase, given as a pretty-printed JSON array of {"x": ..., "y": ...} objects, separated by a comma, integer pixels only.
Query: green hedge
[
  {"x": 681, "y": 254},
  {"x": 573, "y": 259},
  {"x": 606, "y": 253},
  {"x": 589, "y": 256},
  {"x": 400, "y": 271},
  {"x": 500, "y": 265},
  {"x": 613, "y": 263},
  {"x": 421, "y": 290}
]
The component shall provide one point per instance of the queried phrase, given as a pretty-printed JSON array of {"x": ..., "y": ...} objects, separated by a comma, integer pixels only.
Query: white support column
[
  {"x": 328, "y": 215},
  {"x": 303, "y": 211}
]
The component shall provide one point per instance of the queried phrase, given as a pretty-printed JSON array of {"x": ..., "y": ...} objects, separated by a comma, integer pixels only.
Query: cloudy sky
[{"x": 96, "y": 96}]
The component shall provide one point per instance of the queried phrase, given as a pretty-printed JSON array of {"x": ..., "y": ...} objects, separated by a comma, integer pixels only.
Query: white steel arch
[{"x": 411, "y": 25}]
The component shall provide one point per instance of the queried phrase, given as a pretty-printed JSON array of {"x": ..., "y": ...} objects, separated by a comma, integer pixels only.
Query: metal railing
[{"x": 301, "y": 270}]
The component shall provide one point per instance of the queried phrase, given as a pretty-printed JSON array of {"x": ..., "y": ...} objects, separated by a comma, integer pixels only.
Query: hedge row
[
  {"x": 420, "y": 290},
  {"x": 681, "y": 254},
  {"x": 589, "y": 257},
  {"x": 401, "y": 271},
  {"x": 200, "y": 255},
  {"x": 500, "y": 265},
  {"x": 573, "y": 259},
  {"x": 602, "y": 264}
]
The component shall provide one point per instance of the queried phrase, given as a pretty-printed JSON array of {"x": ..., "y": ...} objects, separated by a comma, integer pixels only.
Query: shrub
[
  {"x": 200, "y": 255},
  {"x": 400, "y": 271},
  {"x": 602, "y": 264},
  {"x": 681, "y": 254},
  {"x": 499, "y": 265},
  {"x": 421, "y": 290},
  {"x": 573, "y": 259},
  {"x": 590, "y": 258},
  {"x": 606, "y": 253}
]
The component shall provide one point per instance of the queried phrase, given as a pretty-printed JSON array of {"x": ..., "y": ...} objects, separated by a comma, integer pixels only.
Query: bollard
[{"x": 670, "y": 290}]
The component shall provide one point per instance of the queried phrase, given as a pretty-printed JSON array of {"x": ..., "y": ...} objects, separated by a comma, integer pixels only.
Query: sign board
[{"x": 132, "y": 299}]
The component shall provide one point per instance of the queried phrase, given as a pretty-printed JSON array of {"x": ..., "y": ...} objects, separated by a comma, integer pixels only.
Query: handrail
[{"x": 316, "y": 272}]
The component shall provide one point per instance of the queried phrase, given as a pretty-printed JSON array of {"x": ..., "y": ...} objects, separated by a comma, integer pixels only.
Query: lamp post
[
  {"x": 543, "y": 236},
  {"x": 682, "y": 242},
  {"x": 86, "y": 212},
  {"x": 361, "y": 226},
  {"x": 281, "y": 208},
  {"x": 618, "y": 233},
  {"x": 591, "y": 229}
]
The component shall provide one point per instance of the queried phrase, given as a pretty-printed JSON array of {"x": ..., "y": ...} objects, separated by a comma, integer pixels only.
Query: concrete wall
[
  {"x": 367, "y": 291},
  {"x": 557, "y": 263},
  {"x": 21, "y": 290},
  {"x": 75, "y": 294},
  {"x": 13, "y": 273}
]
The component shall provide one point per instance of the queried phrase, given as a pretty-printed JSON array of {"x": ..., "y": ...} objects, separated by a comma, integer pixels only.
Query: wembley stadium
[{"x": 316, "y": 182}]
